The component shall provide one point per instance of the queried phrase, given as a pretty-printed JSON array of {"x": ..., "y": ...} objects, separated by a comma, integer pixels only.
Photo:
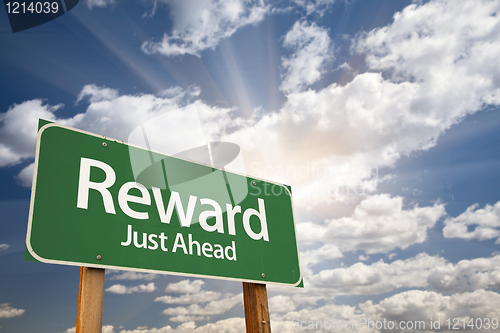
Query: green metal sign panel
[{"x": 100, "y": 202}]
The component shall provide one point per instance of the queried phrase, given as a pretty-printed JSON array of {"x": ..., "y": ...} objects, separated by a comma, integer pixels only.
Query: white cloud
[
  {"x": 185, "y": 287},
  {"x": 315, "y": 6},
  {"x": 202, "y": 25},
  {"x": 486, "y": 222},
  {"x": 438, "y": 64},
  {"x": 192, "y": 295},
  {"x": 108, "y": 114},
  {"x": 310, "y": 258},
  {"x": 108, "y": 329},
  {"x": 184, "y": 318},
  {"x": 198, "y": 297},
  {"x": 121, "y": 289},
  {"x": 466, "y": 275},
  {"x": 435, "y": 64},
  {"x": 6, "y": 311},
  {"x": 364, "y": 258},
  {"x": 216, "y": 307},
  {"x": 97, "y": 94},
  {"x": 340, "y": 134},
  {"x": 440, "y": 42},
  {"x": 281, "y": 303},
  {"x": 422, "y": 271},
  {"x": 417, "y": 305},
  {"x": 117, "y": 115},
  {"x": 311, "y": 49},
  {"x": 18, "y": 130},
  {"x": 105, "y": 329},
  {"x": 230, "y": 325},
  {"x": 99, "y": 3},
  {"x": 413, "y": 305},
  {"x": 186, "y": 327},
  {"x": 283, "y": 323},
  {"x": 4, "y": 246},
  {"x": 25, "y": 177},
  {"x": 126, "y": 275},
  {"x": 378, "y": 277},
  {"x": 378, "y": 224}
]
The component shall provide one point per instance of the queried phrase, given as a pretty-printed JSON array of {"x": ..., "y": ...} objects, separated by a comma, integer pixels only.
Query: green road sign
[{"x": 99, "y": 202}]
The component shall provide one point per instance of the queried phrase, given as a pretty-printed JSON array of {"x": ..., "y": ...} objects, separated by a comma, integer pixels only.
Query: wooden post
[
  {"x": 90, "y": 296},
  {"x": 256, "y": 308}
]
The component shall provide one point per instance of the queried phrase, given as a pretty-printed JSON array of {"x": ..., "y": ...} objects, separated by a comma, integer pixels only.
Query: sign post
[
  {"x": 101, "y": 203},
  {"x": 256, "y": 308},
  {"x": 90, "y": 300}
]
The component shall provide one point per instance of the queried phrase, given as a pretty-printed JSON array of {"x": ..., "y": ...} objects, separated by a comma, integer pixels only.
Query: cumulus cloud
[
  {"x": 99, "y": 3},
  {"x": 315, "y": 6},
  {"x": 4, "y": 246},
  {"x": 310, "y": 258},
  {"x": 216, "y": 307},
  {"x": 105, "y": 329},
  {"x": 97, "y": 94},
  {"x": 198, "y": 297},
  {"x": 311, "y": 49},
  {"x": 431, "y": 67},
  {"x": 132, "y": 276},
  {"x": 192, "y": 294},
  {"x": 25, "y": 177},
  {"x": 184, "y": 318},
  {"x": 417, "y": 305},
  {"x": 378, "y": 224},
  {"x": 486, "y": 223},
  {"x": 422, "y": 271},
  {"x": 441, "y": 42},
  {"x": 466, "y": 275},
  {"x": 185, "y": 287},
  {"x": 435, "y": 64},
  {"x": 121, "y": 289},
  {"x": 281, "y": 303},
  {"x": 6, "y": 311},
  {"x": 413, "y": 305},
  {"x": 108, "y": 113},
  {"x": 199, "y": 26},
  {"x": 18, "y": 130},
  {"x": 378, "y": 277},
  {"x": 230, "y": 325}
]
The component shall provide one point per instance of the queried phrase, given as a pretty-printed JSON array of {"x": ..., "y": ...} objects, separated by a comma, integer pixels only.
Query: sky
[{"x": 380, "y": 114}]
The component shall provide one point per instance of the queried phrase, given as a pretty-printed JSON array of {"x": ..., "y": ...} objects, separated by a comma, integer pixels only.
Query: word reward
[{"x": 213, "y": 209}]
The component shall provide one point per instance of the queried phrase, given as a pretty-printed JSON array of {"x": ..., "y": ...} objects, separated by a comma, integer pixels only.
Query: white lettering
[
  {"x": 261, "y": 215},
  {"x": 217, "y": 213},
  {"x": 154, "y": 244},
  {"x": 191, "y": 243},
  {"x": 163, "y": 238},
  {"x": 144, "y": 237},
  {"x": 207, "y": 250},
  {"x": 124, "y": 198},
  {"x": 129, "y": 236},
  {"x": 84, "y": 184},
  {"x": 219, "y": 251},
  {"x": 230, "y": 218},
  {"x": 179, "y": 242},
  {"x": 174, "y": 201},
  {"x": 231, "y": 248}
]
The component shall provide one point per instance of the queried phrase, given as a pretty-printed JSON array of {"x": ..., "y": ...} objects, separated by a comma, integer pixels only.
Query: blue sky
[{"x": 389, "y": 108}]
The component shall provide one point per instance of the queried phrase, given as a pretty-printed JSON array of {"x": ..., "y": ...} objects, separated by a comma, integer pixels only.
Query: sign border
[{"x": 72, "y": 263}]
